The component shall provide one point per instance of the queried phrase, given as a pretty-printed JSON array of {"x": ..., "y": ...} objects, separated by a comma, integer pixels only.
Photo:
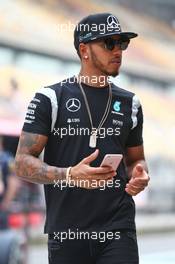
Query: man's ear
[{"x": 84, "y": 51}]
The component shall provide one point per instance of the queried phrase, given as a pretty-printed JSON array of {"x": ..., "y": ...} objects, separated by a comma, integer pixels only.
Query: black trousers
[{"x": 123, "y": 250}]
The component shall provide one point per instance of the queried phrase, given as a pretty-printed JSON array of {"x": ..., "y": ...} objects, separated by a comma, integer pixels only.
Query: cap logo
[
  {"x": 113, "y": 23},
  {"x": 81, "y": 38}
]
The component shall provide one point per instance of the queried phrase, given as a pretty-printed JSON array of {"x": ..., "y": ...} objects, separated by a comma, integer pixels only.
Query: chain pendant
[{"x": 93, "y": 140}]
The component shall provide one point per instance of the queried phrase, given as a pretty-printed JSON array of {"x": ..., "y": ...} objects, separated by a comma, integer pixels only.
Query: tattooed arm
[{"x": 29, "y": 167}]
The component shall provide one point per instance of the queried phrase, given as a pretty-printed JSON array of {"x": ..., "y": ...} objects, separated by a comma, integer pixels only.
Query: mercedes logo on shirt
[{"x": 73, "y": 105}]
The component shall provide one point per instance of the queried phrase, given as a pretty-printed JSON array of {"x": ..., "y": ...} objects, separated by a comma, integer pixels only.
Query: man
[{"x": 77, "y": 122}]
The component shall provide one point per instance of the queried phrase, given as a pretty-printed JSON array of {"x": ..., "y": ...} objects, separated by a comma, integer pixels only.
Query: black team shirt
[{"x": 59, "y": 112}]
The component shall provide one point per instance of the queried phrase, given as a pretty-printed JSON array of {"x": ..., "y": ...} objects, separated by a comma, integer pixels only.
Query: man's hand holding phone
[{"x": 84, "y": 172}]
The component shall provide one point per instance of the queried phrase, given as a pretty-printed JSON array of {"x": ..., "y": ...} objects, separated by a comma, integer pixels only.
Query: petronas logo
[{"x": 116, "y": 106}]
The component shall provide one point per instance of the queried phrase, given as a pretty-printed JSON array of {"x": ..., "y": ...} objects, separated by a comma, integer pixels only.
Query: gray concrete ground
[{"x": 151, "y": 223}]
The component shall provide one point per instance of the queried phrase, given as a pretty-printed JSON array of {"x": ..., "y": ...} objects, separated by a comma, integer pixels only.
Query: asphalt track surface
[{"x": 154, "y": 249}]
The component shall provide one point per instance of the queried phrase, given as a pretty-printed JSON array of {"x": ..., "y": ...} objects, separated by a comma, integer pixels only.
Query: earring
[{"x": 86, "y": 56}]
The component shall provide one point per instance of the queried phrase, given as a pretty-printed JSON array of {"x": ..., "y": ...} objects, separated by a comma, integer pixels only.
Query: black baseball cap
[{"x": 98, "y": 26}]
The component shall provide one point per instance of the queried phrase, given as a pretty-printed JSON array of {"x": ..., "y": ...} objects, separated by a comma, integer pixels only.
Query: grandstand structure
[
  {"x": 40, "y": 27},
  {"x": 36, "y": 49},
  {"x": 163, "y": 10}
]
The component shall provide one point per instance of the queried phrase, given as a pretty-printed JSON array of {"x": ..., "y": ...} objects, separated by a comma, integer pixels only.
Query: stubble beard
[{"x": 98, "y": 65}]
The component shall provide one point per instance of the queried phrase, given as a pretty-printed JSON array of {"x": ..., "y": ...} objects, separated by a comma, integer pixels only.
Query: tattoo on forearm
[
  {"x": 31, "y": 143},
  {"x": 29, "y": 167}
]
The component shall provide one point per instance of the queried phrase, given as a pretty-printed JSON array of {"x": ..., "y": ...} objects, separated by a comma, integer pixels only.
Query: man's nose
[{"x": 117, "y": 50}]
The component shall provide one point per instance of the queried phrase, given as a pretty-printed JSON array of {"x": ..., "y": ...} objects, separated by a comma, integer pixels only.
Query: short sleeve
[
  {"x": 39, "y": 115},
  {"x": 135, "y": 137}
]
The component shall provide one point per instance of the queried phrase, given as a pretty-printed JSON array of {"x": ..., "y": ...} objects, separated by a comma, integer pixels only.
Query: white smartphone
[{"x": 112, "y": 160}]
